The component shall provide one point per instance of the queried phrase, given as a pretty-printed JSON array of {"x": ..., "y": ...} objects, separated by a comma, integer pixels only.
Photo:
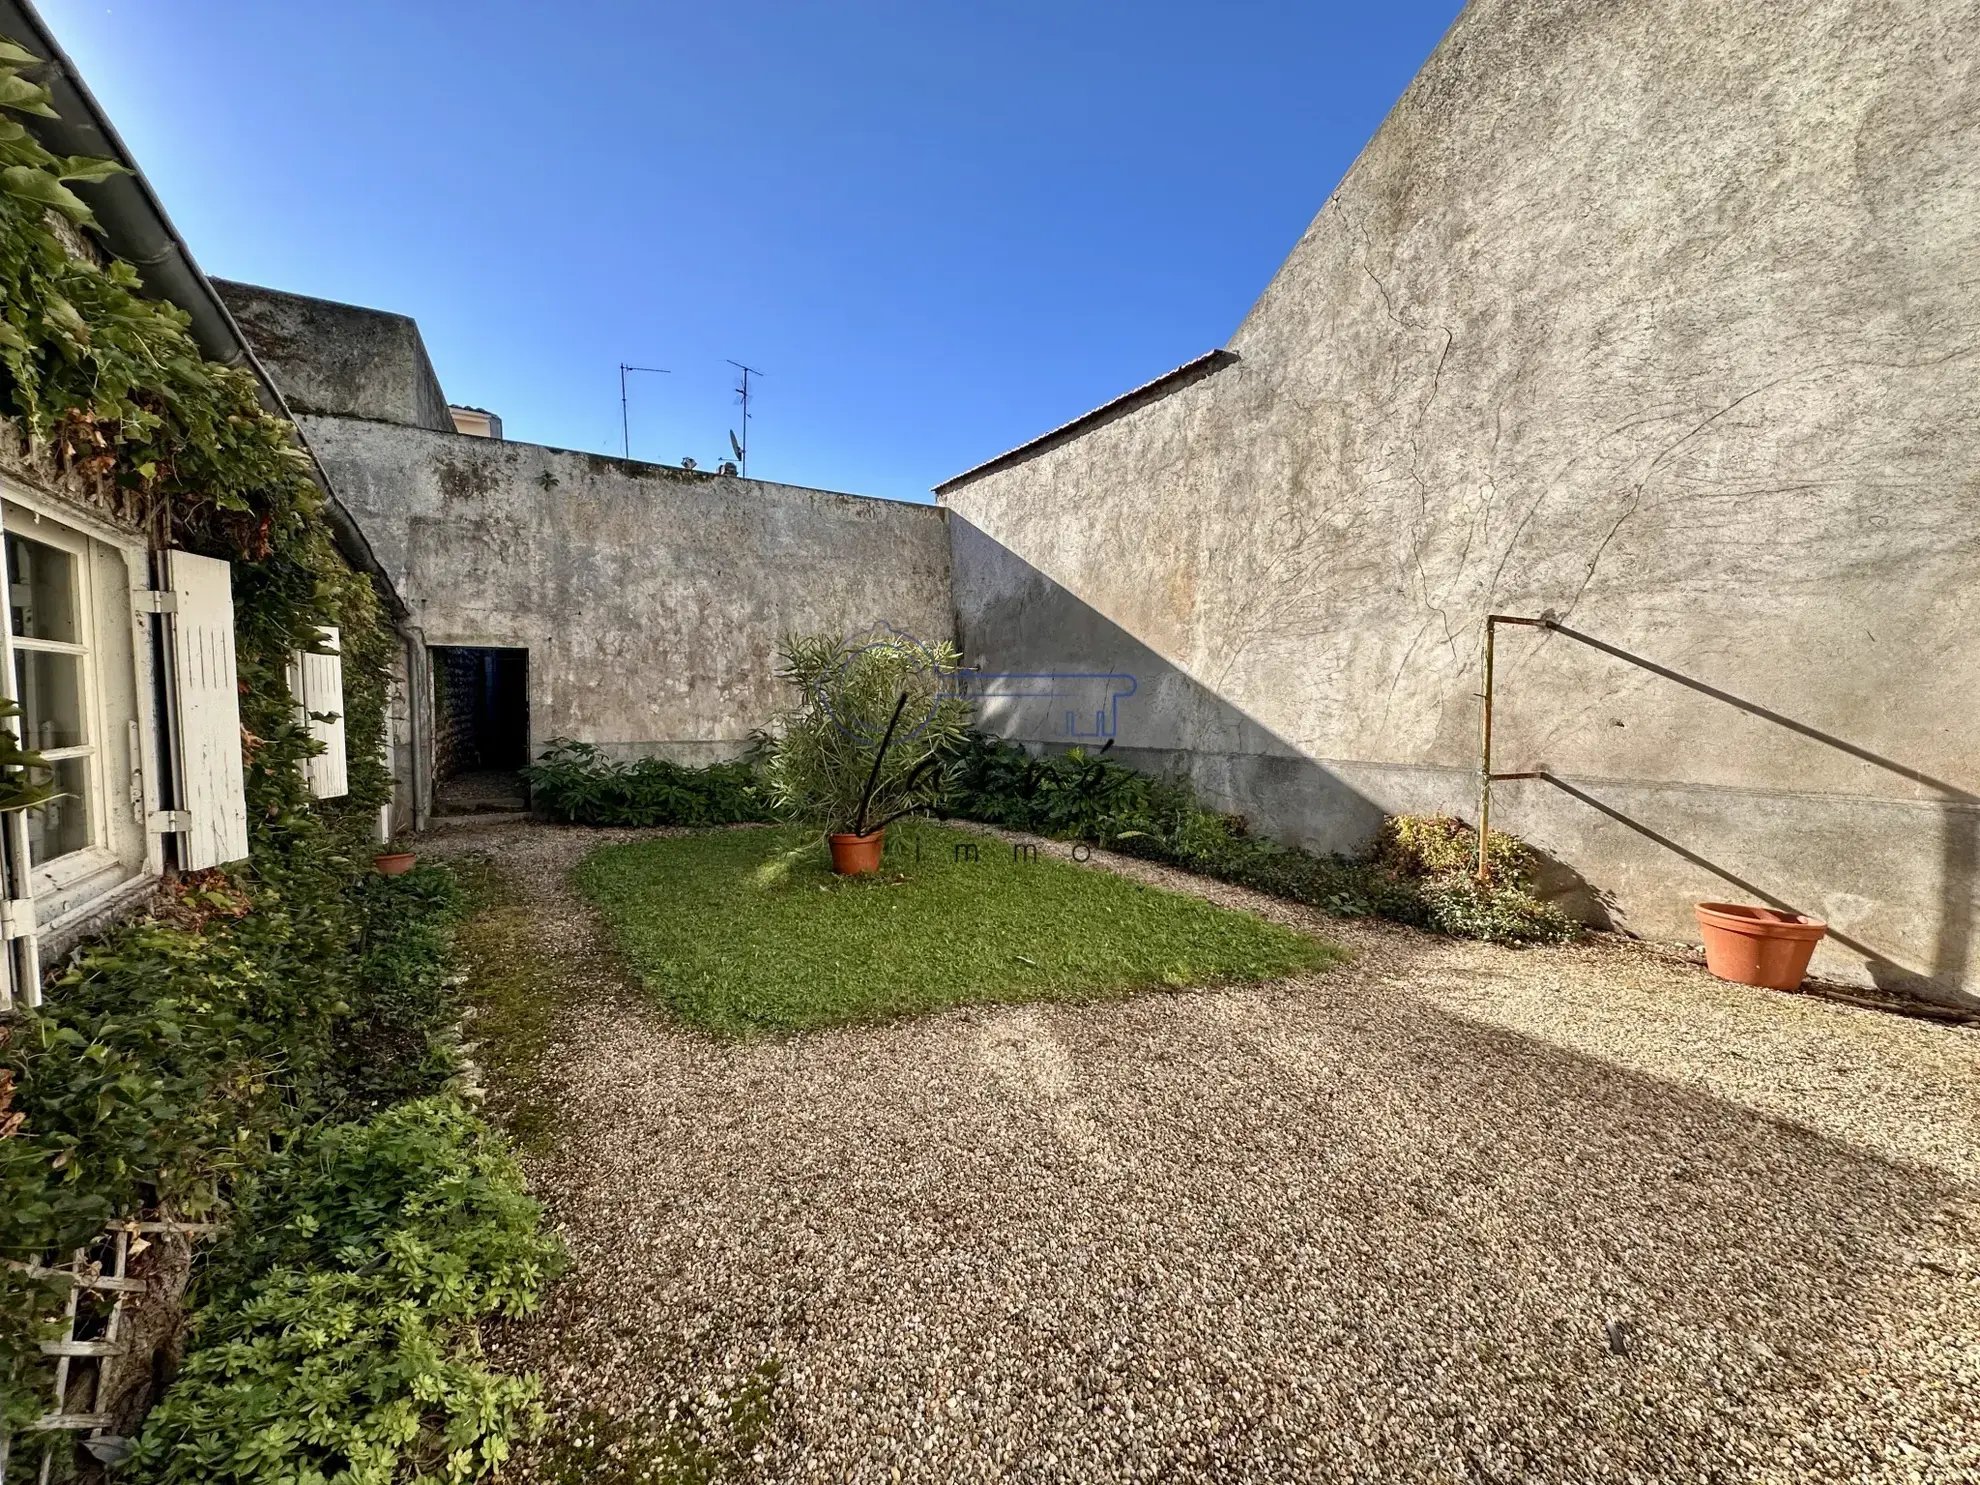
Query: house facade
[{"x": 119, "y": 647}]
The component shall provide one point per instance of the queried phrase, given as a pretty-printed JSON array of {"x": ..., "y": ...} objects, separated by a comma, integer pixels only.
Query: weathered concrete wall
[
  {"x": 1657, "y": 313},
  {"x": 340, "y": 359},
  {"x": 650, "y": 599}
]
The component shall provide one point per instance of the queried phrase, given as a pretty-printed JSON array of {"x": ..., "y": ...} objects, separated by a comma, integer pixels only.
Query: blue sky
[{"x": 939, "y": 228}]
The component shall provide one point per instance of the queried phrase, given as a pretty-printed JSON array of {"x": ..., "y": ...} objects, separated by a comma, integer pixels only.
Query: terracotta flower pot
[
  {"x": 854, "y": 855},
  {"x": 393, "y": 863},
  {"x": 1758, "y": 946}
]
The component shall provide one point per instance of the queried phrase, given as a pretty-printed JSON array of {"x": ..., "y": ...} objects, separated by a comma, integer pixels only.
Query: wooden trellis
[{"x": 79, "y": 1362}]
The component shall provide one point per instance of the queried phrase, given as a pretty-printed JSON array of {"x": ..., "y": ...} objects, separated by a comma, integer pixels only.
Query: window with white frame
[{"x": 48, "y": 613}]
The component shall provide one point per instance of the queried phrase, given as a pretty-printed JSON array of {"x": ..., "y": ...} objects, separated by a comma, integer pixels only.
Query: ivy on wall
[
  {"x": 111, "y": 394},
  {"x": 175, "y": 1058}
]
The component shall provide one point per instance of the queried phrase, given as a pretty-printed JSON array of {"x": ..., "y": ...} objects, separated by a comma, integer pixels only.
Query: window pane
[
  {"x": 61, "y": 825},
  {"x": 42, "y": 584},
  {"x": 50, "y": 691}
]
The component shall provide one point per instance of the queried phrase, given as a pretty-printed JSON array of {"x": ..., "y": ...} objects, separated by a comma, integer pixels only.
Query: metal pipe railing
[
  {"x": 1485, "y": 775},
  {"x": 1550, "y": 621}
]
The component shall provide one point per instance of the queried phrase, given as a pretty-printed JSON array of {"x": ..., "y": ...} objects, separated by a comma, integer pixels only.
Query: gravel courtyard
[{"x": 1448, "y": 1212}]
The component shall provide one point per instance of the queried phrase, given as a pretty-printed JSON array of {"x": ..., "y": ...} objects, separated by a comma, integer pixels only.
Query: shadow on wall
[
  {"x": 1959, "y": 834},
  {"x": 1050, "y": 668},
  {"x": 1901, "y": 910},
  {"x": 1056, "y": 673}
]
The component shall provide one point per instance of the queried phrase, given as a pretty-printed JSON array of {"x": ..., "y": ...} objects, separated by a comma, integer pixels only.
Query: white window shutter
[
  {"x": 318, "y": 684},
  {"x": 206, "y": 721}
]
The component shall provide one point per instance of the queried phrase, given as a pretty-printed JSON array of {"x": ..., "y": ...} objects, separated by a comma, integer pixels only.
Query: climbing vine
[
  {"x": 110, "y": 394},
  {"x": 177, "y": 1058}
]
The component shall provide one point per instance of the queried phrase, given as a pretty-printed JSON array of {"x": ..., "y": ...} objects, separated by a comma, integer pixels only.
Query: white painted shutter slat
[
  {"x": 320, "y": 692},
  {"x": 206, "y": 691}
]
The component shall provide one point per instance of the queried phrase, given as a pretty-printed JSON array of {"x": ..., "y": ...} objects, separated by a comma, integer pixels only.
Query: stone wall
[
  {"x": 455, "y": 673},
  {"x": 651, "y": 600},
  {"x": 340, "y": 359},
  {"x": 1657, "y": 314}
]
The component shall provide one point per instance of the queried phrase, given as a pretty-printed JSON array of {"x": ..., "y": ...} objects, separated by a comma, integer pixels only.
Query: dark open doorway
[{"x": 480, "y": 729}]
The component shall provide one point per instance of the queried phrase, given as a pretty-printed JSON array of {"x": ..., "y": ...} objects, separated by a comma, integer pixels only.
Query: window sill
[{"x": 71, "y": 883}]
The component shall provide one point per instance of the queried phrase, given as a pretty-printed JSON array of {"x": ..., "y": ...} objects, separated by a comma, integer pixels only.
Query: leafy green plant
[
  {"x": 1076, "y": 795},
  {"x": 1418, "y": 871},
  {"x": 174, "y": 1054},
  {"x": 871, "y": 735},
  {"x": 575, "y": 782},
  {"x": 336, "y": 1339},
  {"x": 1438, "y": 845},
  {"x": 20, "y": 789},
  {"x": 1438, "y": 856},
  {"x": 1498, "y": 911},
  {"x": 394, "y": 1043},
  {"x": 173, "y": 1057}
]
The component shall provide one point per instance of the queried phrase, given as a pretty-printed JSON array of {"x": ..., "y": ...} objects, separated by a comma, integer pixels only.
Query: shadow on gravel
[{"x": 1298, "y": 1231}]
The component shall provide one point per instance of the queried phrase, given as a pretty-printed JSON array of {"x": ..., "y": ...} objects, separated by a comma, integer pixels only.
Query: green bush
[
  {"x": 394, "y": 1044},
  {"x": 575, "y": 783},
  {"x": 888, "y": 701},
  {"x": 1498, "y": 911},
  {"x": 1418, "y": 870},
  {"x": 175, "y": 1055},
  {"x": 1073, "y": 795},
  {"x": 336, "y": 1340},
  {"x": 1439, "y": 845}
]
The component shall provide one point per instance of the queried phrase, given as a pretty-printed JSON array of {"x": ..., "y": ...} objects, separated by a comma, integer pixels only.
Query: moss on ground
[
  {"x": 516, "y": 992},
  {"x": 703, "y": 1440}
]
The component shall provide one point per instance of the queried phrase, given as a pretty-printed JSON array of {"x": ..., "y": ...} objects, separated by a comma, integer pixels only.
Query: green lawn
[{"x": 745, "y": 931}]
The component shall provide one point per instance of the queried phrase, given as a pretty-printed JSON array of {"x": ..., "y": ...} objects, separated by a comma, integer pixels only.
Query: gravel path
[{"x": 1447, "y": 1213}]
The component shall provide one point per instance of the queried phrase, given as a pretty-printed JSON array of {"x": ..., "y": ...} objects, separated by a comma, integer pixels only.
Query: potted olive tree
[{"x": 868, "y": 739}]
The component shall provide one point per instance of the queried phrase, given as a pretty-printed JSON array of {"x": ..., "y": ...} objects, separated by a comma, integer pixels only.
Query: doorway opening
[{"x": 480, "y": 729}]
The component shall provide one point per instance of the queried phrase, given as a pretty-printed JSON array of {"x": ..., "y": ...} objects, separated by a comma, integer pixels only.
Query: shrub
[
  {"x": 887, "y": 701},
  {"x": 395, "y": 1043},
  {"x": 1434, "y": 845},
  {"x": 1438, "y": 854},
  {"x": 1500, "y": 912},
  {"x": 336, "y": 1339},
  {"x": 175, "y": 1054},
  {"x": 1075, "y": 795},
  {"x": 575, "y": 783},
  {"x": 1418, "y": 870}
]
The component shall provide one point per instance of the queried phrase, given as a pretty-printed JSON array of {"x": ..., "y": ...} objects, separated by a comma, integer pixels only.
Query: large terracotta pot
[
  {"x": 1758, "y": 946},
  {"x": 854, "y": 855},
  {"x": 393, "y": 863}
]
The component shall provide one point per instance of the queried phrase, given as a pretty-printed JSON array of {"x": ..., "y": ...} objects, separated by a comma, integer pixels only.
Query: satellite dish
[{"x": 733, "y": 444}]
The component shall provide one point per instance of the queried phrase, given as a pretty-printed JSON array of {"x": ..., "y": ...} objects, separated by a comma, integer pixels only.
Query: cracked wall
[{"x": 1661, "y": 314}]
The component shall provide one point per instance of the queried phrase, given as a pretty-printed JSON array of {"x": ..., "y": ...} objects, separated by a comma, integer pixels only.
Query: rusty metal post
[
  {"x": 1485, "y": 774},
  {"x": 1485, "y": 758}
]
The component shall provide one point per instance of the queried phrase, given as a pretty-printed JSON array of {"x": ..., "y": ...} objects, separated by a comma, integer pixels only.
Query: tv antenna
[
  {"x": 741, "y": 445},
  {"x": 625, "y": 422}
]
